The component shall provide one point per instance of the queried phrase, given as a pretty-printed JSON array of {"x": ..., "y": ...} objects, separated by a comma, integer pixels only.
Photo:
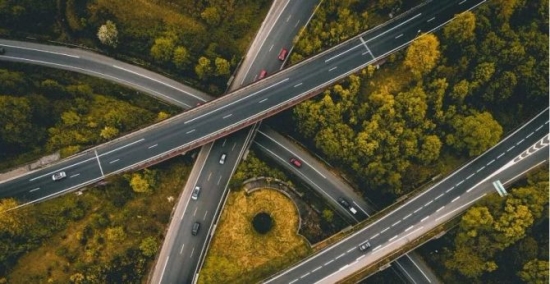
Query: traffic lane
[
  {"x": 387, "y": 228},
  {"x": 189, "y": 248},
  {"x": 286, "y": 148},
  {"x": 410, "y": 264},
  {"x": 294, "y": 17},
  {"x": 100, "y": 66},
  {"x": 310, "y": 177}
]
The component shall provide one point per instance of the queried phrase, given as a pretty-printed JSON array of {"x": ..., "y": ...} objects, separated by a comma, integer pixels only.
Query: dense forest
[
  {"x": 450, "y": 95},
  {"x": 44, "y": 110},
  {"x": 198, "y": 41}
]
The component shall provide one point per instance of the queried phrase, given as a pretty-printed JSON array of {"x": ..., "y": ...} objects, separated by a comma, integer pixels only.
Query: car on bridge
[
  {"x": 364, "y": 246},
  {"x": 59, "y": 176},
  {"x": 196, "y": 192}
]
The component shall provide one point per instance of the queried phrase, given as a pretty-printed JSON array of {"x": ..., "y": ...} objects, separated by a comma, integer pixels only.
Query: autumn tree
[
  {"x": 149, "y": 246},
  {"x": 181, "y": 57},
  {"x": 461, "y": 28},
  {"x": 204, "y": 68},
  {"x": 474, "y": 133},
  {"x": 212, "y": 16},
  {"x": 15, "y": 120},
  {"x": 108, "y": 34},
  {"x": 163, "y": 49},
  {"x": 422, "y": 55},
  {"x": 535, "y": 272},
  {"x": 140, "y": 184},
  {"x": 222, "y": 67},
  {"x": 12, "y": 220}
]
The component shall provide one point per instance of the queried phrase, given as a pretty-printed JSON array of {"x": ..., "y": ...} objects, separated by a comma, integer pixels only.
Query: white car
[
  {"x": 59, "y": 175},
  {"x": 222, "y": 158},
  {"x": 195, "y": 194}
]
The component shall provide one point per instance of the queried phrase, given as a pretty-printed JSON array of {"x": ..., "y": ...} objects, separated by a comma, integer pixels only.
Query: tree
[
  {"x": 163, "y": 49},
  {"x": 212, "y": 16},
  {"x": 475, "y": 133},
  {"x": 461, "y": 28},
  {"x": 15, "y": 120},
  {"x": 181, "y": 57},
  {"x": 149, "y": 246},
  {"x": 422, "y": 55},
  {"x": 13, "y": 221},
  {"x": 203, "y": 69},
  {"x": 429, "y": 150},
  {"x": 108, "y": 34},
  {"x": 535, "y": 272},
  {"x": 140, "y": 184},
  {"x": 328, "y": 215},
  {"x": 108, "y": 132},
  {"x": 222, "y": 67}
]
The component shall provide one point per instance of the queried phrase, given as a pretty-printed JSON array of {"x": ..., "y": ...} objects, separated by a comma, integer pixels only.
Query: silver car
[
  {"x": 59, "y": 175},
  {"x": 195, "y": 194}
]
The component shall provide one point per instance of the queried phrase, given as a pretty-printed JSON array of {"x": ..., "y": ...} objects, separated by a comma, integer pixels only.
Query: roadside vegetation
[
  {"x": 239, "y": 254},
  {"x": 108, "y": 234},
  {"x": 502, "y": 240},
  {"x": 198, "y": 41},
  {"x": 449, "y": 96},
  {"x": 44, "y": 110}
]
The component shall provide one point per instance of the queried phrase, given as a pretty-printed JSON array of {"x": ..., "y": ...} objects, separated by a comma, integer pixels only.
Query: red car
[
  {"x": 262, "y": 74},
  {"x": 296, "y": 162},
  {"x": 283, "y": 54}
]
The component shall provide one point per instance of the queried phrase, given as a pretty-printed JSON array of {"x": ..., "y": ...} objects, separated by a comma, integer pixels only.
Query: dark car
[
  {"x": 196, "y": 227},
  {"x": 364, "y": 246},
  {"x": 263, "y": 73},
  {"x": 344, "y": 202},
  {"x": 2, "y": 50},
  {"x": 296, "y": 162},
  {"x": 283, "y": 54},
  {"x": 196, "y": 192}
]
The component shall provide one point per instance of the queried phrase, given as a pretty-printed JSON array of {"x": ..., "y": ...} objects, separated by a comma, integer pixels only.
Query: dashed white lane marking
[
  {"x": 461, "y": 2},
  {"x": 415, "y": 211},
  {"x": 393, "y": 238},
  {"x": 440, "y": 208},
  {"x": 190, "y": 131},
  {"x": 111, "y": 162},
  {"x": 209, "y": 175},
  {"x": 448, "y": 190},
  {"x": 298, "y": 85},
  {"x": 520, "y": 141},
  {"x": 192, "y": 251},
  {"x": 262, "y": 101},
  {"x": 529, "y": 135},
  {"x": 227, "y": 116},
  {"x": 152, "y": 146},
  {"x": 340, "y": 256},
  {"x": 455, "y": 199},
  {"x": 500, "y": 155},
  {"x": 394, "y": 224},
  {"x": 461, "y": 182},
  {"x": 271, "y": 47},
  {"x": 296, "y": 24},
  {"x": 181, "y": 250},
  {"x": 430, "y": 19},
  {"x": 384, "y": 230},
  {"x": 480, "y": 169},
  {"x": 74, "y": 176},
  {"x": 375, "y": 236},
  {"x": 407, "y": 216},
  {"x": 205, "y": 213},
  {"x": 316, "y": 269},
  {"x": 510, "y": 149},
  {"x": 219, "y": 180},
  {"x": 34, "y": 189},
  {"x": 329, "y": 262},
  {"x": 492, "y": 161},
  {"x": 439, "y": 196},
  {"x": 428, "y": 203},
  {"x": 292, "y": 281},
  {"x": 538, "y": 128},
  {"x": 398, "y": 36},
  {"x": 409, "y": 228},
  {"x": 351, "y": 249},
  {"x": 470, "y": 176},
  {"x": 333, "y": 68},
  {"x": 424, "y": 219}
]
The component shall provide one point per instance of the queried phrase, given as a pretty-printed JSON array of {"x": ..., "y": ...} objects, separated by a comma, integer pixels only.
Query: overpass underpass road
[
  {"x": 525, "y": 148},
  {"x": 231, "y": 112}
]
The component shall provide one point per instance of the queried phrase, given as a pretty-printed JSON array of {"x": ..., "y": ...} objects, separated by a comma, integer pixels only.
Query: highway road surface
[
  {"x": 525, "y": 148},
  {"x": 229, "y": 113}
]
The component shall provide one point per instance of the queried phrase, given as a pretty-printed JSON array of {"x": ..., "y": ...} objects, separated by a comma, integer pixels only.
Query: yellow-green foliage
[{"x": 237, "y": 250}]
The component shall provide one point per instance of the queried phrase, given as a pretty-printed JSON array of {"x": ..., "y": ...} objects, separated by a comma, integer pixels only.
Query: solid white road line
[
  {"x": 99, "y": 163},
  {"x": 460, "y": 207},
  {"x": 397, "y": 26}
]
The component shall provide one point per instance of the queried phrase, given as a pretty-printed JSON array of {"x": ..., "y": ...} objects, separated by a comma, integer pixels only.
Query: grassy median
[{"x": 238, "y": 254}]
